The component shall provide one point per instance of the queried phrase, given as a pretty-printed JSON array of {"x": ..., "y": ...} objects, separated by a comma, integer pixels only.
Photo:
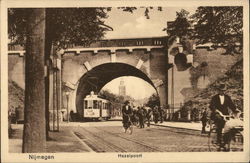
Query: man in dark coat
[
  {"x": 161, "y": 112},
  {"x": 156, "y": 114},
  {"x": 204, "y": 120},
  {"x": 127, "y": 112},
  {"x": 141, "y": 114},
  {"x": 220, "y": 104}
]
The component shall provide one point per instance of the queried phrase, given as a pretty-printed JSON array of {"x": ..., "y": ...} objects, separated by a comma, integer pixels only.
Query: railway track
[
  {"x": 98, "y": 143},
  {"x": 154, "y": 149}
]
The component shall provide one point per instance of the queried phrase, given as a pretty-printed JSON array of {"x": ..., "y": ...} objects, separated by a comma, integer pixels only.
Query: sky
[
  {"x": 127, "y": 25},
  {"x": 135, "y": 87},
  {"x": 133, "y": 25}
]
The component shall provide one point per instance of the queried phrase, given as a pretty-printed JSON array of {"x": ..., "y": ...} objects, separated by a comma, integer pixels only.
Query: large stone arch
[
  {"x": 78, "y": 68},
  {"x": 99, "y": 76}
]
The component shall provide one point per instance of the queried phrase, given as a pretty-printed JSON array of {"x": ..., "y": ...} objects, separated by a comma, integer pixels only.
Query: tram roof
[{"x": 94, "y": 97}]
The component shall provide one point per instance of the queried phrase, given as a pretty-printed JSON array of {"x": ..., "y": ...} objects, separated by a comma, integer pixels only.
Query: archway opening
[{"x": 96, "y": 78}]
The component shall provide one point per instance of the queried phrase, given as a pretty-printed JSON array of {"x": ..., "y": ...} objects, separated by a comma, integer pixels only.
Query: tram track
[
  {"x": 99, "y": 144},
  {"x": 133, "y": 140},
  {"x": 179, "y": 130}
]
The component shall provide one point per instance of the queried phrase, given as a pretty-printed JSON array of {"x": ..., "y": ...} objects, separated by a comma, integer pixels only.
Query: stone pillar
[{"x": 162, "y": 91}]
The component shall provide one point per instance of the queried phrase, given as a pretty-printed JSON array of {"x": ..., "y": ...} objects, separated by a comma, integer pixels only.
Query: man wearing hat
[
  {"x": 220, "y": 104},
  {"x": 126, "y": 115}
]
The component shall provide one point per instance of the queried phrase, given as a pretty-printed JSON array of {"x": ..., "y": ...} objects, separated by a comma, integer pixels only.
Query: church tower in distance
[{"x": 122, "y": 88}]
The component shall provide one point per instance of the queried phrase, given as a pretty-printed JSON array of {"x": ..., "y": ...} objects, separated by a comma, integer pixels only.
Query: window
[
  {"x": 85, "y": 104},
  {"x": 95, "y": 104},
  {"x": 100, "y": 104},
  {"x": 90, "y": 104}
]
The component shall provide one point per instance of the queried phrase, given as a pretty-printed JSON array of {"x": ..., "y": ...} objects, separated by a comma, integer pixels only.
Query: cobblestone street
[
  {"x": 153, "y": 139},
  {"x": 109, "y": 136}
]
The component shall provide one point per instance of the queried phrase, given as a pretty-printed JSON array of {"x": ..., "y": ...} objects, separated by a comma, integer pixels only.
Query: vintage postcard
[{"x": 124, "y": 81}]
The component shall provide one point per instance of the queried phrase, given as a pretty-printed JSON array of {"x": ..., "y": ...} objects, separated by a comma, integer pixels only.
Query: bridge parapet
[
  {"x": 111, "y": 45},
  {"x": 154, "y": 41}
]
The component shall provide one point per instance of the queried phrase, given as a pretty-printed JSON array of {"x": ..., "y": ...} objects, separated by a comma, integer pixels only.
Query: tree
[
  {"x": 115, "y": 98},
  {"x": 219, "y": 25},
  {"x": 153, "y": 101},
  {"x": 34, "y": 121},
  {"x": 181, "y": 26},
  {"x": 63, "y": 27}
]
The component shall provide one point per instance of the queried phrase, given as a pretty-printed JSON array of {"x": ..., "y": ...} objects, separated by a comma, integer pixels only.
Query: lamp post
[{"x": 67, "y": 96}]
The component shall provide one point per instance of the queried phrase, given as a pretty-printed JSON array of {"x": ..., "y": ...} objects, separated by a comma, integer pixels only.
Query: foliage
[
  {"x": 15, "y": 95},
  {"x": 114, "y": 98},
  {"x": 233, "y": 80},
  {"x": 197, "y": 72},
  {"x": 63, "y": 26},
  {"x": 153, "y": 101},
  {"x": 132, "y": 9},
  {"x": 219, "y": 25},
  {"x": 181, "y": 26}
]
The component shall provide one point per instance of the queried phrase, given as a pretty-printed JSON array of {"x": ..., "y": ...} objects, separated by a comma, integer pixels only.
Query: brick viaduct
[{"x": 86, "y": 68}]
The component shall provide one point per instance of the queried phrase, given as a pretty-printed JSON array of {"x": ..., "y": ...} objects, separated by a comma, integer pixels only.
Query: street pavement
[
  {"x": 109, "y": 136},
  {"x": 185, "y": 125}
]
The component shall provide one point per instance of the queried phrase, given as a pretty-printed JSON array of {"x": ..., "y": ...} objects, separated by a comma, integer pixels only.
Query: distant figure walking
[
  {"x": 160, "y": 110},
  {"x": 141, "y": 115},
  {"x": 156, "y": 114},
  {"x": 204, "y": 120},
  {"x": 126, "y": 116},
  {"x": 148, "y": 116},
  {"x": 135, "y": 118}
]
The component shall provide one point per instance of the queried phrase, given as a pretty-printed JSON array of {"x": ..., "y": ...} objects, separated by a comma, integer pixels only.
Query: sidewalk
[
  {"x": 67, "y": 141},
  {"x": 63, "y": 141},
  {"x": 185, "y": 125}
]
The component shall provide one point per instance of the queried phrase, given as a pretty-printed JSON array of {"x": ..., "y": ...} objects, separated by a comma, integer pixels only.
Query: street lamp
[{"x": 67, "y": 96}]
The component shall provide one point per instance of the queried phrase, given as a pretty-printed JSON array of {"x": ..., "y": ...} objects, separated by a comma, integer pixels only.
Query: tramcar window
[
  {"x": 90, "y": 104},
  {"x": 95, "y": 104},
  {"x": 85, "y": 104},
  {"x": 100, "y": 104}
]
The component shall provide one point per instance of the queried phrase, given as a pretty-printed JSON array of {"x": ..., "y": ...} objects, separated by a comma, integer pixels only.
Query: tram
[{"x": 96, "y": 108}]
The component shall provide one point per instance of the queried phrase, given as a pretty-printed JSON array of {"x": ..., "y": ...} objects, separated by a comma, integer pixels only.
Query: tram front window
[
  {"x": 85, "y": 104},
  {"x": 90, "y": 104},
  {"x": 95, "y": 104}
]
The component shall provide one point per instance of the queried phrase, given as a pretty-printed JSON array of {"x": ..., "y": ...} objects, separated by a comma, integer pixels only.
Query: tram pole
[{"x": 67, "y": 96}]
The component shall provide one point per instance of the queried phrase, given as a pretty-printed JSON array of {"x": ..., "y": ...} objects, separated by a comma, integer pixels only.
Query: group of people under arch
[{"x": 141, "y": 115}]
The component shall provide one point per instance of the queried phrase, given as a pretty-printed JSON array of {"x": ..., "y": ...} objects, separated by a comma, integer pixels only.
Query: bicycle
[
  {"x": 129, "y": 125},
  {"x": 229, "y": 133}
]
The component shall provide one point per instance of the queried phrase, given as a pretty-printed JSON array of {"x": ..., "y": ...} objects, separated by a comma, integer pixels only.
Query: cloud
[{"x": 140, "y": 27}]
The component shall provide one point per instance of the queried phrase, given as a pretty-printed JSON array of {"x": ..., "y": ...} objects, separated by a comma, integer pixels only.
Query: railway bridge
[{"x": 80, "y": 69}]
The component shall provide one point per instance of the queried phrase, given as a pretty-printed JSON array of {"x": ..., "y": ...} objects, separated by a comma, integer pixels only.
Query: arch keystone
[
  {"x": 87, "y": 65},
  {"x": 139, "y": 64},
  {"x": 113, "y": 57}
]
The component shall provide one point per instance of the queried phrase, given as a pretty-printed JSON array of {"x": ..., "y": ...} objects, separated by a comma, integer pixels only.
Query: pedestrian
[
  {"x": 160, "y": 110},
  {"x": 220, "y": 105},
  {"x": 71, "y": 117},
  {"x": 204, "y": 120},
  {"x": 126, "y": 116},
  {"x": 156, "y": 114},
  {"x": 141, "y": 117},
  {"x": 148, "y": 116},
  {"x": 135, "y": 118},
  {"x": 144, "y": 114},
  {"x": 17, "y": 113}
]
